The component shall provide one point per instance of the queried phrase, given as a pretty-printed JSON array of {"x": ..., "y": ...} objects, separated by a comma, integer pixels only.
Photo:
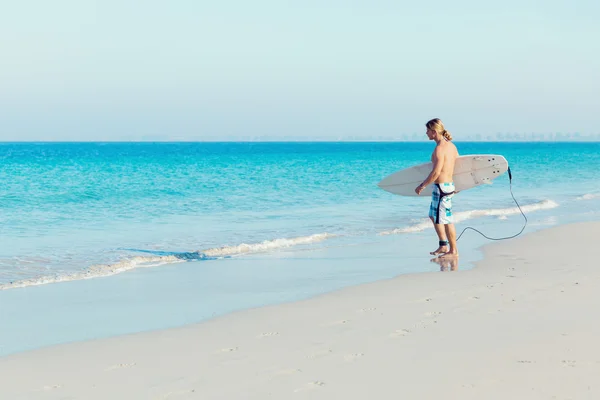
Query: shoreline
[
  {"x": 135, "y": 261},
  {"x": 515, "y": 325}
]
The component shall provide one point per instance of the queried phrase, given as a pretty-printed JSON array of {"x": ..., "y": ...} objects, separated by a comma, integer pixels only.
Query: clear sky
[{"x": 312, "y": 69}]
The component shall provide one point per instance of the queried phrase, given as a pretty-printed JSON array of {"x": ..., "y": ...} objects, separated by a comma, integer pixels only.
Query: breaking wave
[
  {"x": 588, "y": 196},
  {"x": 266, "y": 245},
  {"x": 466, "y": 215},
  {"x": 162, "y": 257}
]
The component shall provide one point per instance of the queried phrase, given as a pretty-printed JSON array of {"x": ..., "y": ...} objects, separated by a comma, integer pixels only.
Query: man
[{"x": 440, "y": 212}]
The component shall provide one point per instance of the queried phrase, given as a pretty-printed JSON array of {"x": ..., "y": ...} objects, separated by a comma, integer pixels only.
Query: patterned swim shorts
[{"x": 441, "y": 203}]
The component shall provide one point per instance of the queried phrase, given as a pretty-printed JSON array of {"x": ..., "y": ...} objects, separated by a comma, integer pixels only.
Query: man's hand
[{"x": 419, "y": 189}]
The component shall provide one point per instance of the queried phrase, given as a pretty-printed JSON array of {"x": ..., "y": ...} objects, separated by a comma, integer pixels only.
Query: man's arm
[{"x": 438, "y": 163}]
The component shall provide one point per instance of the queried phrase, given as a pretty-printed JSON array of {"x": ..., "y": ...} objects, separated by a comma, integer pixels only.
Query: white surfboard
[{"x": 469, "y": 171}]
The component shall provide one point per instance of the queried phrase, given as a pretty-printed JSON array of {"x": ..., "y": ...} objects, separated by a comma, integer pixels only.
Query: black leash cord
[{"x": 522, "y": 213}]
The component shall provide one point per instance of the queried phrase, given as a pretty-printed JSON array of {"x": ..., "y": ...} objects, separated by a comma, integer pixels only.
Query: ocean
[{"x": 219, "y": 227}]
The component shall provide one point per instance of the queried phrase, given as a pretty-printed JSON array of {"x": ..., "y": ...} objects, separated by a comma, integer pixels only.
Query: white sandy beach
[{"x": 521, "y": 325}]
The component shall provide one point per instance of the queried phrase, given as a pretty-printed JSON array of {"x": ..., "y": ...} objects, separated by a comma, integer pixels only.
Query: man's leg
[
  {"x": 447, "y": 219},
  {"x": 441, "y": 233},
  {"x": 451, "y": 234}
]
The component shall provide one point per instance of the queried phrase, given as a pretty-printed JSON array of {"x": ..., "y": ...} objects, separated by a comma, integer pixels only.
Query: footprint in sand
[
  {"x": 370, "y": 309},
  {"x": 50, "y": 387},
  {"x": 430, "y": 320},
  {"x": 119, "y": 366},
  {"x": 338, "y": 323},
  {"x": 513, "y": 256},
  {"x": 179, "y": 393},
  {"x": 399, "y": 333},
  {"x": 353, "y": 357},
  {"x": 268, "y": 334},
  {"x": 310, "y": 386},
  {"x": 432, "y": 313},
  {"x": 319, "y": 354},
  {"x": 290, "y": 371},
  {"x": 227, "y": 350}
]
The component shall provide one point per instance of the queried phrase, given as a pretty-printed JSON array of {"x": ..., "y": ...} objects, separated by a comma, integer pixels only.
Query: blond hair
[{"x": 437, "y": 126}]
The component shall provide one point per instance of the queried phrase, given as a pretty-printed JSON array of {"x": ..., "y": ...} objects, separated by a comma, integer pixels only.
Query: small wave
[
  {"x": 266, "y": 245},
  {"x": 465, "y": 215},
  {"x": 162, "y": 257},
  {"x": 95, "y": 271},
  {"x": 588, "y": 196}
]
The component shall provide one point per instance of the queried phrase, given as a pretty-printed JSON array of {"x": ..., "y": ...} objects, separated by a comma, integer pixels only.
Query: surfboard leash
[{"x": 516, "y": 202}]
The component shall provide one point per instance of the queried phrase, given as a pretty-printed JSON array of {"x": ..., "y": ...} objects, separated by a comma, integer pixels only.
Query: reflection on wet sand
[{"x": 446, "y": 264}]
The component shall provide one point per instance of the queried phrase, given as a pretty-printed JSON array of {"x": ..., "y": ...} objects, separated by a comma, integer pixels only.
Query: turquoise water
[
  {"x": 99, "y": 208},
  {"x": 227, "y": 226}
]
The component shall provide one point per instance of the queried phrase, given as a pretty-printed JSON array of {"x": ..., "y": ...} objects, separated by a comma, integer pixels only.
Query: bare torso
[{"x": 447, "y": 153}]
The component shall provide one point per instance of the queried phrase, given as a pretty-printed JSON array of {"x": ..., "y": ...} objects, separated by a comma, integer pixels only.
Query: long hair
[{"x": 437, "y": 126}]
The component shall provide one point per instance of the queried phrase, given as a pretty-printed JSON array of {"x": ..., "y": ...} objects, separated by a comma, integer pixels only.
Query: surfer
[{"x": 440, "y": 211}]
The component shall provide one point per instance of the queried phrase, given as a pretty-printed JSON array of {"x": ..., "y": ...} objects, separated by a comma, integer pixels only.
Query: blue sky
[{"x": 241, "y": 70}]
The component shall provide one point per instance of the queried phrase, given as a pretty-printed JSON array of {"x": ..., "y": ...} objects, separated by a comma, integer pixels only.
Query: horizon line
[{"x": 285, "y": 141}]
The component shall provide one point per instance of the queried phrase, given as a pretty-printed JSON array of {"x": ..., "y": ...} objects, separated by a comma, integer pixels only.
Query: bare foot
[
  {"x": 450, "y": 254},
  {"x": 440, "y": 250}
]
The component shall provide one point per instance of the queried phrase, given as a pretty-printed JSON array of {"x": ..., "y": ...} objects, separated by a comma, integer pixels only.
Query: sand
[{"x": 523, "y": 324}]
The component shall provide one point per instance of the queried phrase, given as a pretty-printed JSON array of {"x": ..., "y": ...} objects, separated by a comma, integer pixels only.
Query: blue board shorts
[{"x": 440, "y": 209}]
